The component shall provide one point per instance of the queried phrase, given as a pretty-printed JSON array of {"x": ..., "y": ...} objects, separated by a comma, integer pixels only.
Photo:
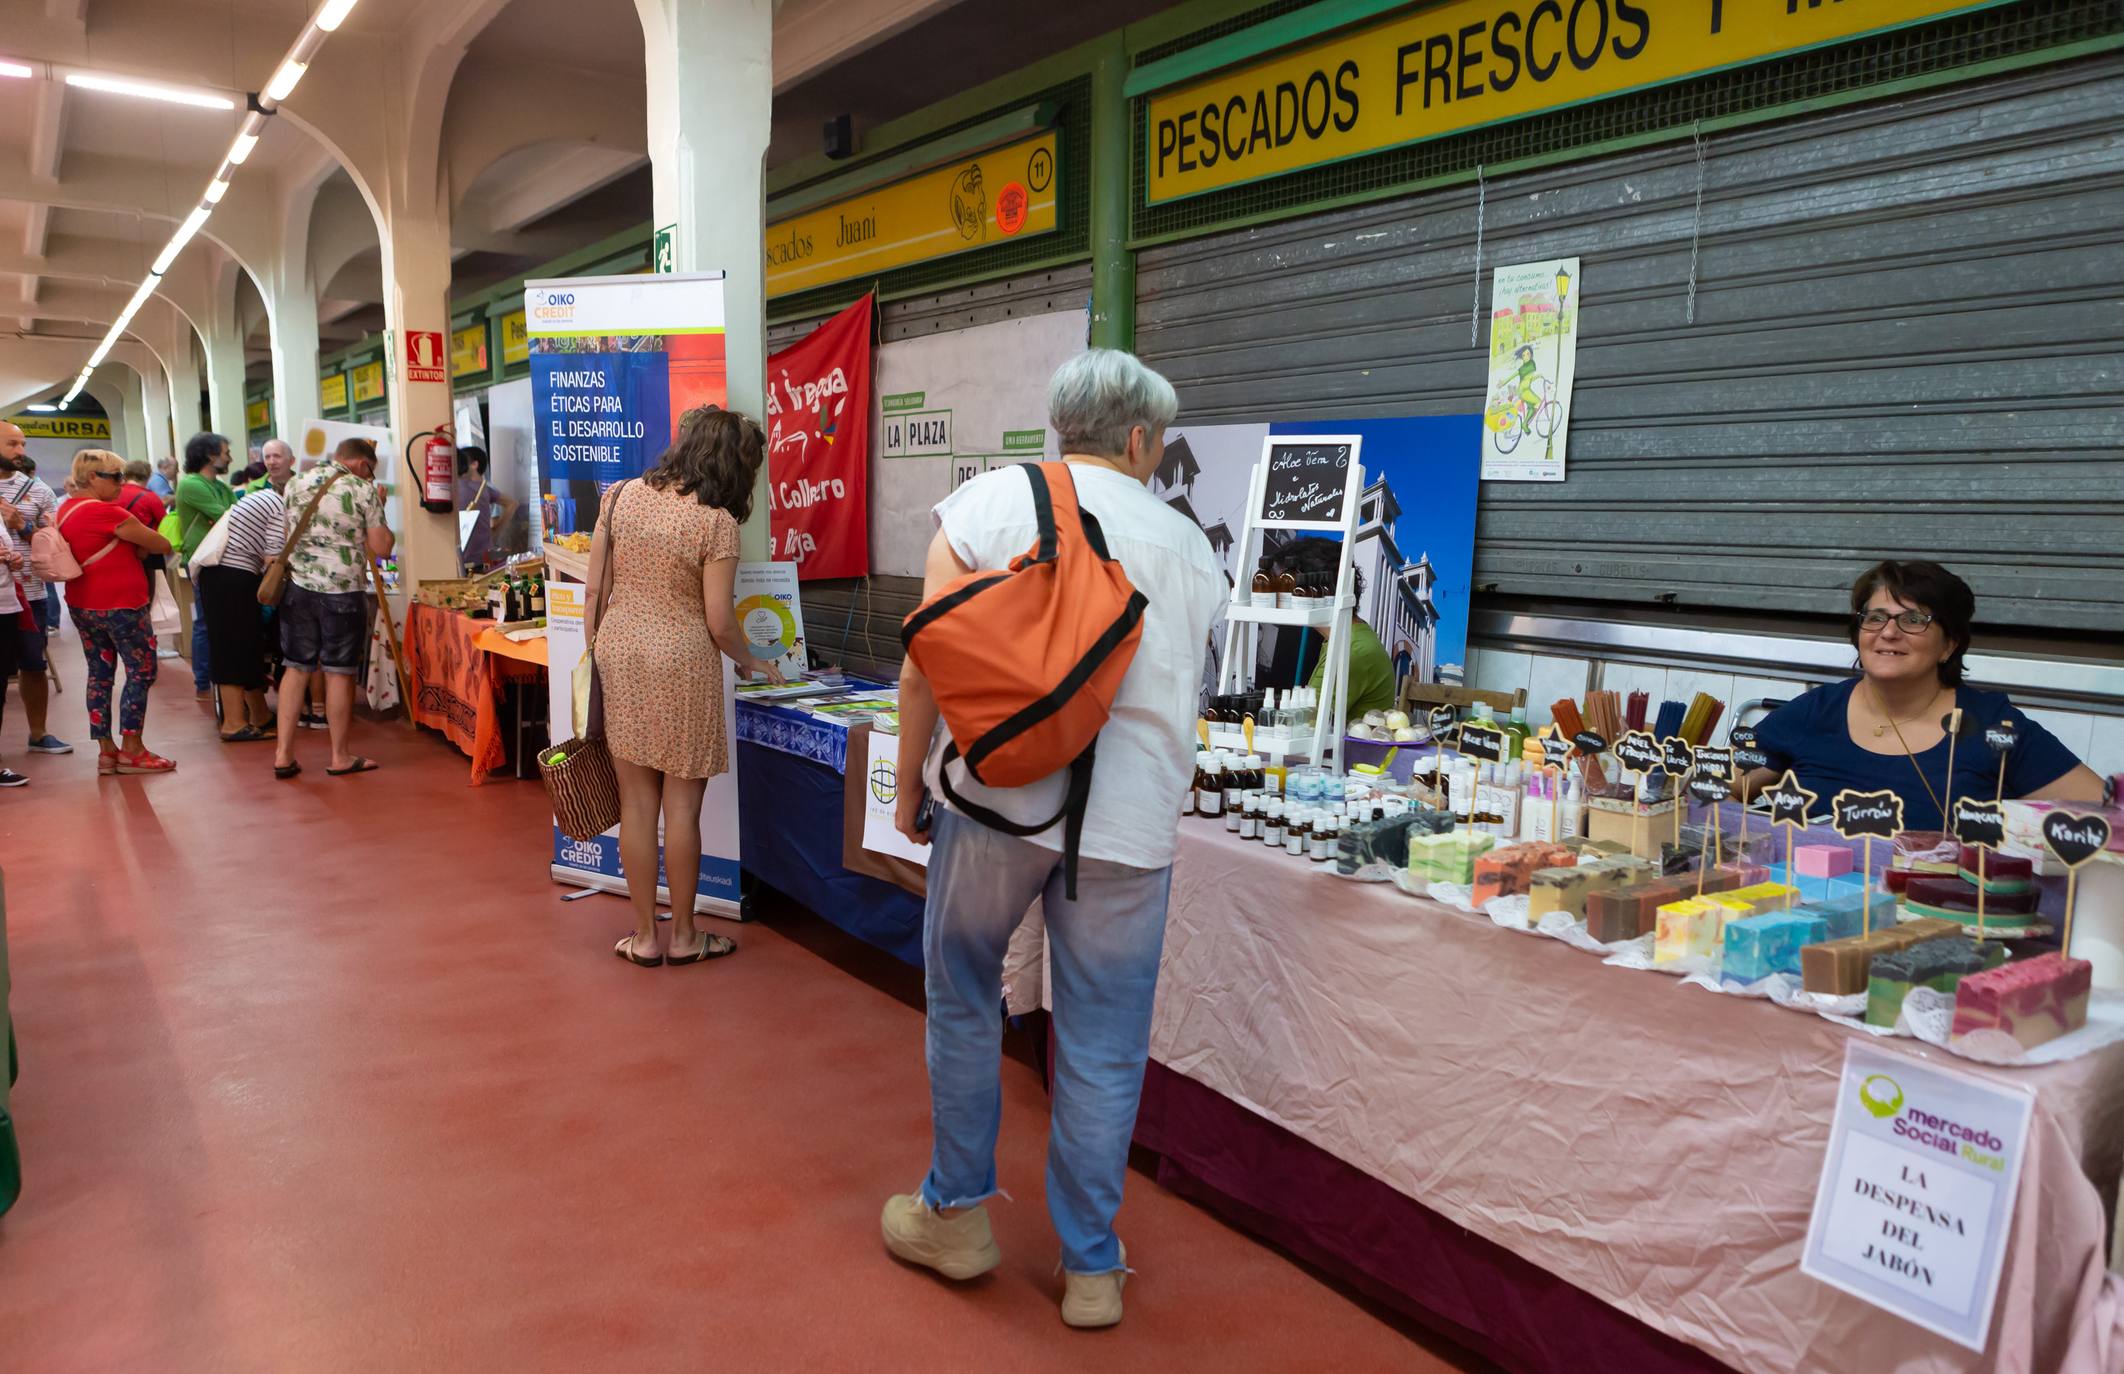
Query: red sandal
[
  {"x": 106, "y": 765},
  {"x": 146, "y": 761}
]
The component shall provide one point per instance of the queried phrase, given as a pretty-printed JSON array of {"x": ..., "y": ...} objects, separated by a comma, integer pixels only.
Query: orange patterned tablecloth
[{"x": 456, "y": 681}]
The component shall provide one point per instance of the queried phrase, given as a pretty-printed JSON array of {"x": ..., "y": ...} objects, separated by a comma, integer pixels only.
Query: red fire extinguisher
[{"x": 437, "y": 472}]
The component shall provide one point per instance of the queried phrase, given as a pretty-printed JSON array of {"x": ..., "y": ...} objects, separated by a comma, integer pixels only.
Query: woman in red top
[{"x": 109, "y": 602}]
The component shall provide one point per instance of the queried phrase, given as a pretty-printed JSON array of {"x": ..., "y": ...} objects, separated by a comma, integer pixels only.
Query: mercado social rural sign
[
  {"x": 1447, "y": 68},
  {"x": 1916, "y": 1198},
  {"x": 1007, "y": 193}
]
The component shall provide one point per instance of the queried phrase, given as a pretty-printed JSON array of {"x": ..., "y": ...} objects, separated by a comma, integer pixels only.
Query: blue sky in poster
[
  {"x": 1432, "y": 464},
  {"x": 599, "y": 416}
]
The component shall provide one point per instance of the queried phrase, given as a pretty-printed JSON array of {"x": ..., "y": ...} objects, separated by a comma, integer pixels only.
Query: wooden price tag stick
[
  {"x": 2000, "y": 739},
  {"x": 1639, "y": 753},
  {"x": 2075, "y": 839},
  {"x": 1713, "y": 788},
  {"x": 1982, "y": 826},
  {"x": 1867, "y": 816},
  {"x": 1957, "y": 724},
  {"x": 1678, "y": 758},
  {"x": 1789, "y": 805}
]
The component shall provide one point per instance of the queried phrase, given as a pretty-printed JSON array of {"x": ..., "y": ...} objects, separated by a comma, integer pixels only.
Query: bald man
[
  {"x": 26, "y": 503},
  {"x": 279, "y": 462}
]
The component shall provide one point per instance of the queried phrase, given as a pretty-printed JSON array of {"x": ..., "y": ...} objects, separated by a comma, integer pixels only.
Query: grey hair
[{"x": 1100, "y": 395}]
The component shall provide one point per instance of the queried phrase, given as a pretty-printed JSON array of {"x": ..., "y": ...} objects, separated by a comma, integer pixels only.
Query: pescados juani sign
[{"x": 1445, "y": 68}]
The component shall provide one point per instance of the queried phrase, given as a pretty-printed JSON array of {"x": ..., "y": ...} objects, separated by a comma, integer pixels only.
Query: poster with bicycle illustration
[{"x": 1526, "y": 410}]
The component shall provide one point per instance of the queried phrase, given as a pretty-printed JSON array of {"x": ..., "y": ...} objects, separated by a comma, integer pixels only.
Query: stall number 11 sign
[{"x": 1916, "y": 1197}]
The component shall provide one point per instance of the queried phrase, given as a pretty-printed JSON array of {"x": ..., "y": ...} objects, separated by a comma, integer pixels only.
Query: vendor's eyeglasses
[
  {"x": 1912, "y": 622},
  {"x": 117, "y": 476}
]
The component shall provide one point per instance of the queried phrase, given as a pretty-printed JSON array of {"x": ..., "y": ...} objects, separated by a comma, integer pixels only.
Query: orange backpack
[{"x": 1025, "y": 661}]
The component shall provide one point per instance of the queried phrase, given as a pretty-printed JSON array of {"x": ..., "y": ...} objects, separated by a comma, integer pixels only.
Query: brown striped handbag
[{"x": 579, "y": 776}]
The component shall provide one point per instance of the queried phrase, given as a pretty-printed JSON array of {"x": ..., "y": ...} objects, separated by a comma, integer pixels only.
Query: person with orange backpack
[{"x": 1065, "y": 616}]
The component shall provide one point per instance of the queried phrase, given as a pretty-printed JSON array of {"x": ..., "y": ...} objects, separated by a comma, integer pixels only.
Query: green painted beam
[
  {"x": 1280, "y": 32},
  {"x": 1113, "y": 311}
]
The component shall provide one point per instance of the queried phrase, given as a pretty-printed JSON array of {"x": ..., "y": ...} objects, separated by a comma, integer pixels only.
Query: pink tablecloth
[{"x": 1656, "y": 1145}]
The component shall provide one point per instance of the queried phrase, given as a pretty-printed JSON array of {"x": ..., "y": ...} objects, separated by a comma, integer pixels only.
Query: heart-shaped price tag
[
  {"x": 2074, "y": 838},
  {"x": 1857, "y": 815},
  {"x": 1441, "y": 719},
  {"x": 1979, "y": 824},
  {"x": 1789, "y": 802}
]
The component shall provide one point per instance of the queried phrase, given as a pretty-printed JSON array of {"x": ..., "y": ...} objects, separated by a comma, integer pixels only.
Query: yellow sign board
[
  {"x": 258, "y": 414},
  {"x": 332, "y": 392},
  {"x": 1008, "y": 193},
  {"x": 468, "y": 350},
  {"x": 368, "y": 382},
  {"x": 62, "y": 426},
  {"x": 1451, "y": 67},
  {"x": 516, "y": 339}
]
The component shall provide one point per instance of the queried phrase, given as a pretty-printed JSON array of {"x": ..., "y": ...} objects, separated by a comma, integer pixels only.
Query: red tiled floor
[{"x": 323, "y": 1076}]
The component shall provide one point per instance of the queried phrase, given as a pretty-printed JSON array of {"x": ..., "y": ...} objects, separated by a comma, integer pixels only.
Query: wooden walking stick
[{"x": 398, "y": 655}]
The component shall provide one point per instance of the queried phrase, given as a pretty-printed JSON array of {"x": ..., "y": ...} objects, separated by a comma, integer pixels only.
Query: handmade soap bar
[
  {"x": 1953, "y": 899},
  {"x": 1813, "y": 890},
  {"x": 1566, "y": 889},
  {"x": 1686, "y": 928},
  {"x": 1925, "y": 851},
  {"x": 2004, "y": 874},
  {"x": 1508, "y": 870},
  {"x": 1936, "y": 964},
  {"x": 1822, "y": 860},
  {"x": 1846, "y": 914},
  {"x": 1727, "y": 877},
  {"x": 1624, "y": 913},
  {"x": 1839, "y": 967},
  {"x": 2033, "y": 1000},
  {"x": 1448, "y": 858},
  {"x": 1762, "y": 945},
  {"x": 1768, "y": 897}
]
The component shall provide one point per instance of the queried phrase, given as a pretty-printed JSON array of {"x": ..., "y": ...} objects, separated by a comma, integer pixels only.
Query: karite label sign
[
  {"x": 424, "y": 356},
  {"x": 1008, "y": 193},
  {"x": 1447, "y": 68}
]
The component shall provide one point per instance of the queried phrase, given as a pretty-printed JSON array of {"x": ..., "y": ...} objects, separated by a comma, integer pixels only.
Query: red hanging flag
[{"x": 818, "y": 447}]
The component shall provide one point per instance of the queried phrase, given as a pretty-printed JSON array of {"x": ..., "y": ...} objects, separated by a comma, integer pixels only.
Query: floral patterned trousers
[{"x": 109, "y": 638}]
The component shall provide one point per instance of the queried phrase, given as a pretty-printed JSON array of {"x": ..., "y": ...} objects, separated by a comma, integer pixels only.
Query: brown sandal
[
  {"x": 712, "y": 947},
  {"x": 625, "y": 950}
]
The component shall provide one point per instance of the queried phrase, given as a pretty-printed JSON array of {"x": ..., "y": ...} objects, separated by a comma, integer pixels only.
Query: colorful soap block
[
  {"x": 1841, "y": 967},
  {"x": 2003, "y": 874},
  {"x": 1925, "y": 851},
  {"x": 1846, "y": 914},
  {"x": 1624, "y": 913},
  {"x": 1510, "y": 869},
  {"x": 1768, "y": 897},
  {"x": 1937, "y": 964},
  {"x": 1813, "y": 890},
  {"x": 1762, "y": 945},
  {"x": 2033, "y": 1000},
  {"x": 1949, "y": 898},
  {"x": 1821, "y": 860},
  {"x": 1685, "y": 929},
  {"x": 1448, "y": 858}
]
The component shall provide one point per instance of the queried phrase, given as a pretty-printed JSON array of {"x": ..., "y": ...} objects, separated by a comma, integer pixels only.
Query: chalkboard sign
[
  {"x": 1676, "y": 756},
  {"x": 1555, "y": 752},
  {"x": 1790, "y": 802},
  {"x": 2075, "y": 839},
  {"x": 1710, "y": 787},
  {"x": 1480, "y": 742},
  {"x": 1714, "y": 762},
  {"x": 1588, "y": 742},
  {"x": 1638, "y": 751},
  {"x": 1979, "y": 824},
  {"x": 1441, "y": 719},
  {"x": 2000, "y": 738},
  {"x": 1858, "y": 815},
  {"x": 1742, "y": 737},
  {"x": 1308, "y": 480},
  {"x": 1748, "y": 758}
]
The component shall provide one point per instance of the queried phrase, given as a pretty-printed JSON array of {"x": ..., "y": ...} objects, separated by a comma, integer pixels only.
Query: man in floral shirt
[{"x": 325, "y": 616}]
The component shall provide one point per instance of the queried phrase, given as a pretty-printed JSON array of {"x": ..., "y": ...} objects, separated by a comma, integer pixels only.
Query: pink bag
[{"x": 52, "y": 558}]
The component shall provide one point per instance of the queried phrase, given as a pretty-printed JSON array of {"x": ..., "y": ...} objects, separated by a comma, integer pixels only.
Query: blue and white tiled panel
[{"x": 1548, "y": 678}]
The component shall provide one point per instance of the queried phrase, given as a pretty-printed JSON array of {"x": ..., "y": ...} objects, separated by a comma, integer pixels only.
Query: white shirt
[{"x": 1146, "y": 753}]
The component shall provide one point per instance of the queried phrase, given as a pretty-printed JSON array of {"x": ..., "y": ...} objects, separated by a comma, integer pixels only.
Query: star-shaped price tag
[{"x": 1789, "y": 802}]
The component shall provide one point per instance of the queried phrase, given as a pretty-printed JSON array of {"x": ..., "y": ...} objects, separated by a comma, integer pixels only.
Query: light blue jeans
[{"x": 1103, "y": 953}]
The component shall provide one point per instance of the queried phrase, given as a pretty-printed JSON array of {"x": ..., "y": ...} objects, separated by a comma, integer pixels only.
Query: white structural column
[
  {"x": 131, "y": 423},
  {"x": 294, "y": 313},
  {"x": 711, "y": 90},
  {"x": 185, "y": 417},
  {"x": 416, "y": 280},
  {"x": 224, "y": 360},
  {"x": 155, "y": 415}
]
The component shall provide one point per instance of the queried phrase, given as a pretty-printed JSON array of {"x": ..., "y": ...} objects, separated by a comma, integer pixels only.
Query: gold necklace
[
  {"x": 1923, "y": 781},
  {"x": 1880, "y": 730}
]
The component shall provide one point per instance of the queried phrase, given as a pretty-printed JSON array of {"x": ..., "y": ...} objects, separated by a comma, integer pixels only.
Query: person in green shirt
[
  {"x": 202, "y": 498},
  {"x": 1373, "y": 683}
]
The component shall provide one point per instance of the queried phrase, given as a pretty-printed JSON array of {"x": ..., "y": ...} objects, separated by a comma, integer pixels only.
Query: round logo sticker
[{"x": 1011, "y": 205}]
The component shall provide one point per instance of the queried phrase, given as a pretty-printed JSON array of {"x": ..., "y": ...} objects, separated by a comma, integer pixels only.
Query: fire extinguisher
[{"x": 436, "y": 474}]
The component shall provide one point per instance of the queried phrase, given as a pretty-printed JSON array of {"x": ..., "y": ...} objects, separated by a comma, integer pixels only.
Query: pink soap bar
[
  {"x": 1822, "y": 860},
  {"x": 2033, "y": 1000}
]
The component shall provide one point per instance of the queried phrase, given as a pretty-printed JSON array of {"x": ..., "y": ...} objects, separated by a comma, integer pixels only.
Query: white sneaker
[
  {"x": 960, "y": 1246},
  {"x": 1094, "y": 1300}
]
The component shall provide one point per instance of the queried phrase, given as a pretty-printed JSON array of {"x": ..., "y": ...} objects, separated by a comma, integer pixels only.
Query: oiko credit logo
[{"x": 554, "y": 307}]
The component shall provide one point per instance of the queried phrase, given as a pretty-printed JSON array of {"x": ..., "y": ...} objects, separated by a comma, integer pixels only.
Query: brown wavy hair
[{"x": 714, "y": 459}]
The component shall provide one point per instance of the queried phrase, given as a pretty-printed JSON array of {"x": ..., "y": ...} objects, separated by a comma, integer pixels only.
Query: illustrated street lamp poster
[{"x": 1526, "y": 412}]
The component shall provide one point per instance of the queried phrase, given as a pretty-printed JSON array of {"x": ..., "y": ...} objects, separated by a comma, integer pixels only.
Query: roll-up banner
[{"x": 615, "y": 363}]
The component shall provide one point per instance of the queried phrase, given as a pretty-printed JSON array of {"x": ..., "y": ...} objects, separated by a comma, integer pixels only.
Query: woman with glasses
[
  {"x": 1887, "y": 728},
  {"x": 109, "y": 602}
]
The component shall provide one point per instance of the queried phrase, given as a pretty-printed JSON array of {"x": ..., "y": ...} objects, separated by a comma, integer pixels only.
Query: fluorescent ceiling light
[
  {"x": 216, "y": 189},
  {"x": 116, "y": 85},
  {"x": 283, "y": 83},
  {"x": 140, "y": 296},
  {"x": 103, "y": 350},
  {"x": 241, "y": 148},
  {"x": 14, "y": 69},
  {"x": 333, "y": 13},
  {"x": 178, "y": 240},
  {"x": 42, "y": 407}
]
